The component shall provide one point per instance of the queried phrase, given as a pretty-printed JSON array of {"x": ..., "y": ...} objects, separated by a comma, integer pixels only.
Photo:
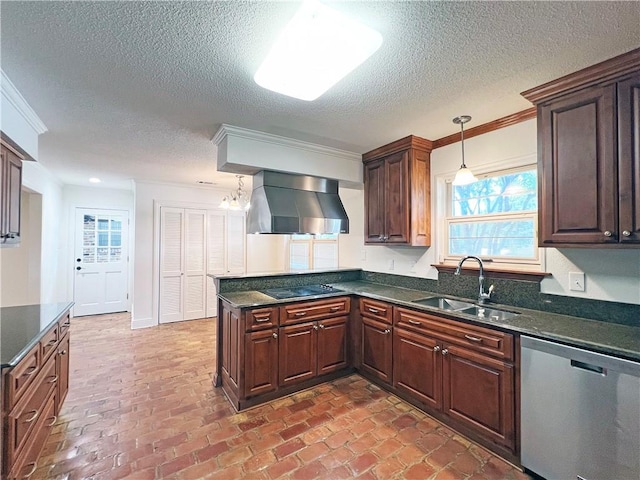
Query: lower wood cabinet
[
  {"x": 270, "y": 351},
  {"x": 463, "y": 373},
  {"x": 33, "y": 393},
  {"x": 377, "y": 349}
]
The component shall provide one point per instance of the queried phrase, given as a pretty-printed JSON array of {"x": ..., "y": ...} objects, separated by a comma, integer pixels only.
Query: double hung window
[{"x": 494, "y": 218}]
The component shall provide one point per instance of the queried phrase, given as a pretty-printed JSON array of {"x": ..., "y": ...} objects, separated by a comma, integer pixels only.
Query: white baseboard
[{"x": 142, "y": 323}]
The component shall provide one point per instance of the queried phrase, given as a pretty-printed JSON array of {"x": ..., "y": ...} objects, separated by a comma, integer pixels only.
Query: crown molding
[
  {"x": 15, "y": 98},
  {"x": 238, "y": 132}
]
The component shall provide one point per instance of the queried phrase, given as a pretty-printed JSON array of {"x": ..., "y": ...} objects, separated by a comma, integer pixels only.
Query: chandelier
[{"x": 238, "y": 200}]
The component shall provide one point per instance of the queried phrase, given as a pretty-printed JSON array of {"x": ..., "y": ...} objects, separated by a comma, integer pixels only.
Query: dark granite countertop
[
  {"x": 23, "y": 326},
  {"x": 609, "y": 338}
]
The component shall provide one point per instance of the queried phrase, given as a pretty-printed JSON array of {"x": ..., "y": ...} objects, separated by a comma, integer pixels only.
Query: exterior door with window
[{"x": 100, "y": 262}]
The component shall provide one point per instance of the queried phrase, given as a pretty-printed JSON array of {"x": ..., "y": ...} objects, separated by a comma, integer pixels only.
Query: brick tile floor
[{"x": 141, "y": 406}]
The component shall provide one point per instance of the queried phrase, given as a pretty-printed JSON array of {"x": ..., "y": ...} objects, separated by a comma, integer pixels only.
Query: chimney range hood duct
[{"x": 287, "y": 203}]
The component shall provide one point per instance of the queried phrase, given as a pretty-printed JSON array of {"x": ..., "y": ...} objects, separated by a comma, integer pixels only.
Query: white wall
[
  {"x": 612, "y": 275},
  {"x": 267, "y": 253},
  {"x": 20, "y": 270},
  {"x": 53, "y": 282},
  {"x": 99, "y": 198}
]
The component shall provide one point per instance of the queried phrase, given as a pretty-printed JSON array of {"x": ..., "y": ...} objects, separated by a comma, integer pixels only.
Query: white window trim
[{"x": 442, "y": 203}]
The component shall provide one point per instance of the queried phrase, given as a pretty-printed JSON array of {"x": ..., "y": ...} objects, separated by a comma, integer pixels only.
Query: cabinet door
[
  {"x": 417, "y": 367},
  {"x": 397, "y": 202},
  {"x": 297, "y": 354},
  {"x": 629, "y": 158},
  {"x": 479, "y": 393},
  {"x": 62, "y": 371},
  {"x": 230, "y": 346},
  {"x": 376, "y": 349},
  {"x": 13, "y": 193},
  {"x": 374, "y": 208},
  {"x": 578, "y": 176},
  {"x": 261, "y": 362},
  {"x": 332, "y": 345}
]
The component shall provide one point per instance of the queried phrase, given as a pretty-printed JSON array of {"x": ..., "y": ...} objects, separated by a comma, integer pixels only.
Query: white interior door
[
  {"x": 182, "y": 264},
  {"x": 171, "y": 264},
  {"x": 216, "y": 255},
  {"x": 101, "y": 259},
  {"x": 195, "y": 264}
]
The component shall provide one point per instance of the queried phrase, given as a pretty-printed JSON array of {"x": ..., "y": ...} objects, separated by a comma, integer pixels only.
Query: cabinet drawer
[
  {"x": 49, "y": 341},
  {"x": 64, "y": 324},
  {"x": 20, "y": 377},
  {"x": 492, "y": 342},
  {"x": 261, "y": 318},
  {"x": 27, "y": 462},
  {"x": 305, "y": 311},
  {"x": 28, "y": 412},
  {"x": 373, "y": 309}
]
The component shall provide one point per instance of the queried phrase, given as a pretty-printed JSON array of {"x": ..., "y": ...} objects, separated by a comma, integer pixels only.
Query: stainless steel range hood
[{"x": 287, "y": 203}]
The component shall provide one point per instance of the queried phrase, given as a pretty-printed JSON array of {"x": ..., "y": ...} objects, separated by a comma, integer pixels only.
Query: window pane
[
  {"x": 513, "y": 192},
  {"x": 116, "y": 224},
  {"x": 103, "y": 239},
  {"x": 116, "y": 239},
  {"x": 299, "y": 256},
  {"x": 103, "y": 224},
  {"x": 497, "y": 238}
]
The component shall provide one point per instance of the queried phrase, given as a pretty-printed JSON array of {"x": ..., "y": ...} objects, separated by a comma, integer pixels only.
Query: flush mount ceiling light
[
  {"x": 464, "y": 176},
  {"x": 238, "y": 200},
  {"x": 317, "y": 48},
  {"x": 94, "y": 180}
]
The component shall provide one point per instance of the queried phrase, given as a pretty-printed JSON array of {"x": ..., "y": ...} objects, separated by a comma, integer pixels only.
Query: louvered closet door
[
  {"x": 216, "y": 254},
  {"x": 195, "y": 264},
  {"x": 171, "y": 264}
]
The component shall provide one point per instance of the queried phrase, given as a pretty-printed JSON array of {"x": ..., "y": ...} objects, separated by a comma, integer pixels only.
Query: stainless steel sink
[
  {"x": 443, "y": 303},
  {"x": 489, "y": 313}
]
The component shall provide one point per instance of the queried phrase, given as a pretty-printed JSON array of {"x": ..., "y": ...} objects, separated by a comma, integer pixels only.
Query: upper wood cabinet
[
  {"x": 11, "y": 185},
  {"x": 589, "y": 155},
  {"x": 397, "y": 187}
]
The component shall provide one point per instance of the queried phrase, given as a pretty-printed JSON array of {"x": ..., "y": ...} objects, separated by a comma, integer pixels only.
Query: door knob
[
  {"x": 78, "y": 259},
  {"x": 78, "y": 268}
]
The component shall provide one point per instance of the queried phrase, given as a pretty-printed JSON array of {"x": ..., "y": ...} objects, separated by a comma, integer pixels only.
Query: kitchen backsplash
[{"x": 517, "y": 293}]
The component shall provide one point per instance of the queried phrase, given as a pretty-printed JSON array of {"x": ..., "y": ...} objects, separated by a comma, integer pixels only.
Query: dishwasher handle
[{"x": 589, "y": 367}]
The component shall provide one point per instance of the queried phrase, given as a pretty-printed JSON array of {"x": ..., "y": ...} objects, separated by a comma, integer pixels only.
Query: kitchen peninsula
[{"x": 269, "y": 347}]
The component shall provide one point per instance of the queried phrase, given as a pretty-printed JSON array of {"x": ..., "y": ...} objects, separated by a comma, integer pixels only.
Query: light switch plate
[{"x": 576, "y": 281}]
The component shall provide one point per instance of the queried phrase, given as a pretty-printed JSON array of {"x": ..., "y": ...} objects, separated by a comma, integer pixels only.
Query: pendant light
[{"x": 464, "y": 176}]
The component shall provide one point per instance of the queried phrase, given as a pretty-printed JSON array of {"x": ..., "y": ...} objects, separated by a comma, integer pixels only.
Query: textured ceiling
[{"x": 136, "y": 90}]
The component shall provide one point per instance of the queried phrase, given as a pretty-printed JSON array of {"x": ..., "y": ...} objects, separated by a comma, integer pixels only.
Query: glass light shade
[
  {"x": 234, "y": 204},
  {"x": 317, "y": 48},
  {"x": 224, "y": 203},
  {"x": 464, "y": 176}
]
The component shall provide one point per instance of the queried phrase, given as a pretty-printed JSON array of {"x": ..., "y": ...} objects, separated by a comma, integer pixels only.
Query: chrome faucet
[{"x": 482, "y": 295}]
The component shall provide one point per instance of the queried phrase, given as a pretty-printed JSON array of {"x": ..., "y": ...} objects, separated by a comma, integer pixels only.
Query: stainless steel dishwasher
[{"x": 580, "y": 415}]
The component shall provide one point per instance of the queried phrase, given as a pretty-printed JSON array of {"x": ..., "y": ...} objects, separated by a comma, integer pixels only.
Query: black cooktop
[{"x": 304, "y": 291}]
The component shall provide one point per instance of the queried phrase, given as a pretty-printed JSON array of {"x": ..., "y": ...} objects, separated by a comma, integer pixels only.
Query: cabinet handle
[
  {"x": 626, "y": 233},
  {"x": 262, "y": 320},
  {"x": 607, "y": 233},
  {"x": 52, "y": 379},
  {"x": 62, "y": 352},
  {"x": 300, "y": 314},
  {"x": 34, "y": 415},
  {"x": 66, "y": 324},
  {"x": 30, "y": 371},
  {"x": 315, "y": 327},
  {"x": 321, "y": 326},
  {"x": 473, "y": 339},
  {"x": 445, "y": 351},
  {"x": 34, "y": 467},
  {"x": 53, "y": 421},
  {"x": 52, "y": 343},
  {"x": 274, "y": 335},
  {"x": 334, "y": 309},
  {"x": 414, "y": 322},
  {"x": 373, "y": 310},
  {"x": 386, "y": 331},
  {"x": 436, "y": 348}
]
